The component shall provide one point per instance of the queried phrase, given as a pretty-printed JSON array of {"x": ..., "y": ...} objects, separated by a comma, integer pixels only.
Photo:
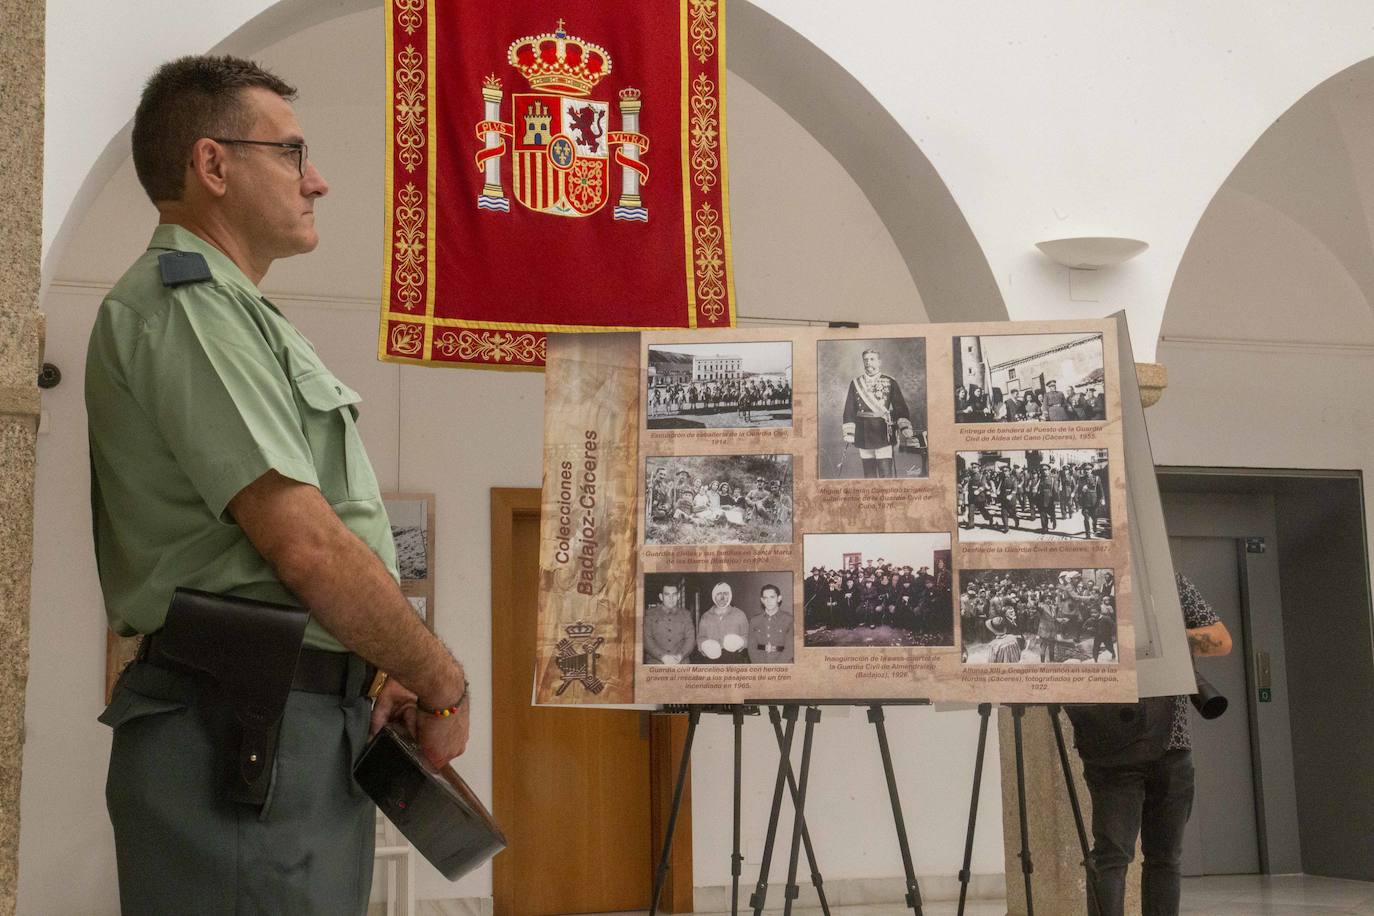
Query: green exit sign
[{"x": 1266, "y": 695}]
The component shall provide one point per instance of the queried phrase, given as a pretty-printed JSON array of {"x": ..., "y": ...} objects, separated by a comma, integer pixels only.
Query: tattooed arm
[{"x": 1210, "y": 640}]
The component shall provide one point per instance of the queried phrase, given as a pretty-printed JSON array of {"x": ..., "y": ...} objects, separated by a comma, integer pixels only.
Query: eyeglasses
[{"x": 301, "y": 150}]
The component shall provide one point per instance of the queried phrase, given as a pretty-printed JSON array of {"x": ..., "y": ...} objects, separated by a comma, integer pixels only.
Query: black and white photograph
[
  {"x": 1038, "y": 616},
  {"x": 410, "y": 531},
  {"x": 1029, "y": 378},
  {"x": 872, "y": 590},
  {"x": 1034, "y": 495},
  {"x": 712, "y": 618},
  {"x": 718, "y": 499},
  {"x": 871, "y": 408},
  {"x": 720, "y": 386}
]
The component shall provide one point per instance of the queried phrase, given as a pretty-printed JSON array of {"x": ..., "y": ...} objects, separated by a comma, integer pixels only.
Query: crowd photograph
[
  {"x": 1029, "y": 378},
  {"x": 718, "y": 499},
  {"x": 1033, "y": 495},
  {"x": 868, "y": 590},
  {"x": 711, "y": 618},
  {"x": 1037, "y": 616},
  {"x": 719, "y": 386},
  {"x": 871, "y": 405}
]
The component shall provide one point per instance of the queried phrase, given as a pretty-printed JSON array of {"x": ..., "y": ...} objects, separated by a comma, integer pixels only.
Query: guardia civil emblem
[
  {"x": 576, "y": 658},
  {"x": 564, "y": 154}
]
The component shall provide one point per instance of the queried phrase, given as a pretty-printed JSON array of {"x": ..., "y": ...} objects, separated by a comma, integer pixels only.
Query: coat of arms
[{"x": 563, "y": 145}]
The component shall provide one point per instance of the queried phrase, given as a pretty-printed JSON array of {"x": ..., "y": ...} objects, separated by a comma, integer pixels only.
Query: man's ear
[{"x": 208, "y": 167}]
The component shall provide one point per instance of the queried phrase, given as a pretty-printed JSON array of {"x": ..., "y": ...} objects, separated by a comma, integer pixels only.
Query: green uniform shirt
[{"x": 193, "y": 392}]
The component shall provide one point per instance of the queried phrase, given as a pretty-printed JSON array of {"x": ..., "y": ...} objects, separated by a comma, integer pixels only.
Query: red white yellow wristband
[{"x": 445, "y": 711}]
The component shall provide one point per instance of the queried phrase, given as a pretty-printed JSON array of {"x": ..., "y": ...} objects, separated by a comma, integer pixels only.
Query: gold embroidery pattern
[
  {"x": 492, "y": 346},
  {"x": 408, "y": 14},
  {"x": 705, "y": 133},
  {"x": 406, "y": 339},
  {"x": 410, "y": 248},
  {"x": 708, "y": 237},
  {"x": 703, "y": 29},
  {"x": 410, "y": 107}
]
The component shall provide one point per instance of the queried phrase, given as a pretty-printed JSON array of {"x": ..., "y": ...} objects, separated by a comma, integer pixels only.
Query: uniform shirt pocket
[{"x": 329, "y": 415}]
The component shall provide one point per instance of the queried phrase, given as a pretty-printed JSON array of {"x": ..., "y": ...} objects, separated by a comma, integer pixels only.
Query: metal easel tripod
[{"x": 800, "y": 834}]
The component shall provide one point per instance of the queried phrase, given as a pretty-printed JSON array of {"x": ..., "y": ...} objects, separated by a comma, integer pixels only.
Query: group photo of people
[
  {"x": 718, "y": 499},
  {"x": 1033, "y": 495},
  {"x": 868, "y": 590},
  {"x": 719, "y": 386},
  {"x": 871, "y": 404},
  {"x": 718, "y": 619},
  {"x": 1029, "y": 378},
  {"x": 1038, "y": 616}
]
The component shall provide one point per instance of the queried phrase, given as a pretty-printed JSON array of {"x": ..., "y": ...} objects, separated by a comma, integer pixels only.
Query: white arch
[{"x": 1303, "y": 174}]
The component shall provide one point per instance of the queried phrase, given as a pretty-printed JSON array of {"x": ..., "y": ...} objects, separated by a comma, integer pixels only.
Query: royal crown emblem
[{"x": 561, "y": 137}]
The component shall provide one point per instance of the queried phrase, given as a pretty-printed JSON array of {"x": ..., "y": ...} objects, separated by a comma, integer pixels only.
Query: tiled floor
[{"x": 1237, "y": 895}]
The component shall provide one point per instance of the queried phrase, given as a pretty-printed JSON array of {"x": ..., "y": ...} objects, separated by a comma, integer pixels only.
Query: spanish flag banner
[{"x": 552, "y": 167}]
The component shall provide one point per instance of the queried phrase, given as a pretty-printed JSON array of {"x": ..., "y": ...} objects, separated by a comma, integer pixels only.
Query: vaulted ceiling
[{"x": 1285, "y": 251}]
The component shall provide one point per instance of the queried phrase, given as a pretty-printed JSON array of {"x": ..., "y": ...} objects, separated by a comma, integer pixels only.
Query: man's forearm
[
  {"x": 343, "y": 583},
  {"x": 354, "y": 597},
  {"x": 1209, "y": 640}
]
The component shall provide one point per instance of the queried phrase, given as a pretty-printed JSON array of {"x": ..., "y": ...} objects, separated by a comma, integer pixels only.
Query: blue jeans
[{"x": 1152, "y": 800}]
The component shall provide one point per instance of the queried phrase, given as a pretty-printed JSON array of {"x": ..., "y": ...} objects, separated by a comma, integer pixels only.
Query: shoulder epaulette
[{"x": 180, "y": 267}]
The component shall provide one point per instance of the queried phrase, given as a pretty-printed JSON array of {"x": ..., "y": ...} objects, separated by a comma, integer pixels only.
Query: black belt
[{"x": 317, "y": 670}]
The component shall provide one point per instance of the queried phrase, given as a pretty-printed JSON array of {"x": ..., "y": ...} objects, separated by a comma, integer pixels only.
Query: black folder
[{"x": 434, "y": 809}]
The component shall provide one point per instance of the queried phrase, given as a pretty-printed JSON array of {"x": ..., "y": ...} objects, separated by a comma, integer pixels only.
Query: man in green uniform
[
  {"x": 771, "y": 633},
  {"x": 225, "y": 457},
  {"x": 669, "y": 634}
]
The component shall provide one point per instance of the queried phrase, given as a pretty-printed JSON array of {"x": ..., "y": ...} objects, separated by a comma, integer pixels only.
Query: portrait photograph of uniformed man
[
  {"x": 226, "y": 463},
  {"x": 712, "y": 618},
  {"x": 871, "y": 403}
]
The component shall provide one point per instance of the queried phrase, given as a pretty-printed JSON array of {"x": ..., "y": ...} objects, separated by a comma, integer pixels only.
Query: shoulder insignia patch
[{"x": 180, "y": 267}]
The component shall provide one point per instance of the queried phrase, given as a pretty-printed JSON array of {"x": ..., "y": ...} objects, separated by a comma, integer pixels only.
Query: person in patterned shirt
[{"x": 1153, "y": 798}]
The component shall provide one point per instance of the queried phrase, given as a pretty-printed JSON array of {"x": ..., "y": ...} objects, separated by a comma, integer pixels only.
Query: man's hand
[
  {"x": 394, "y": 704},
  {"x": 444, "y": 737}
]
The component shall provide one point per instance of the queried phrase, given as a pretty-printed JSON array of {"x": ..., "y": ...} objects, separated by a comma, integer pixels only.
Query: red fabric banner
[{"x": 552, "y": 167}]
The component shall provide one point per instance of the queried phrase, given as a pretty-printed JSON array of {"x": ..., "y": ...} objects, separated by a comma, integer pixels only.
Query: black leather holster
[{"x": 245, "y": 653}]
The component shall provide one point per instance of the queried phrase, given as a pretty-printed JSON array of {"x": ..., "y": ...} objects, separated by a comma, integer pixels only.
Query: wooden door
[{"x": 572, "y": 787}]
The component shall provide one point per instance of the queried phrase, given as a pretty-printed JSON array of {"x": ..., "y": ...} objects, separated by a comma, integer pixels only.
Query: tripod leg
[
  {"x": 693, "y": 717},
  {"x": 1017, "y": 711},
  {"x": 984, "y": 711},
  {"x": 913, "y": 889},
  {"x": 813, "y": 715},
  {"x": 1089, "y": 866},
  {"x": 736, "y": 860},
  {"x": 816, "y": 879},
  {"x": 756, "y": 900}
]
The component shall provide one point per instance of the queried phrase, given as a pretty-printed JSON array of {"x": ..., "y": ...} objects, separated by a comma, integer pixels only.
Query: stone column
[
  {"x": 1057, "y": 879},
  {"x": 21, "y": 332}
]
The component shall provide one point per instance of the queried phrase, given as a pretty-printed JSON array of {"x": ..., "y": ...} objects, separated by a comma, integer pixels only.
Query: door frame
[
  {"x": 1244, "y": 642},
  {"x": 667, "y": 734}
]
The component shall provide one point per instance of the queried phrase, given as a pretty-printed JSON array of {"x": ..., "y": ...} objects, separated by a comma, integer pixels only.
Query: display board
[{"x": 923, "y": 511}]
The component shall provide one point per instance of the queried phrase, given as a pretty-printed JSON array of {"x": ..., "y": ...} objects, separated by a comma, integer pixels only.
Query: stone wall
[{"x": 21, "y": 331}]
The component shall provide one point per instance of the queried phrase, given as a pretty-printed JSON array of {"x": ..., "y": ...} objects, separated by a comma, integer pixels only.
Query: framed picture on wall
[{"x": 412, "y": 529}]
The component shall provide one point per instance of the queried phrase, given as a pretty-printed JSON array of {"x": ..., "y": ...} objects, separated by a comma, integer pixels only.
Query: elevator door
[{"x": 1222, "y": 837}]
